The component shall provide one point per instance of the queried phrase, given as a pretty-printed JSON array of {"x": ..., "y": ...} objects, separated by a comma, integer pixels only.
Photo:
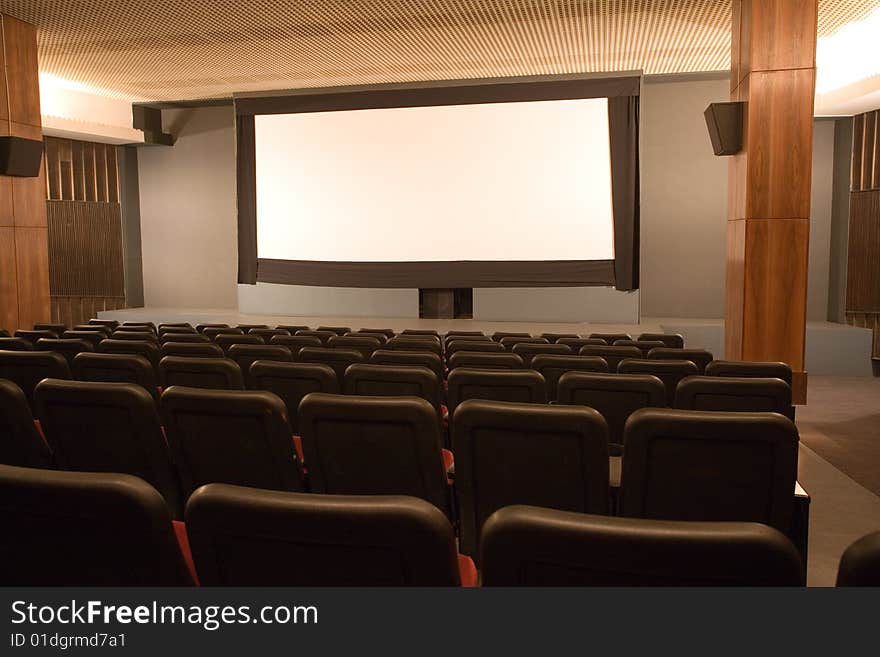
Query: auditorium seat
[
  {"x": 27, "y": 368},
  {"x": 249, "y": 537},
  {"x": 700, "y": 357},
  {"x": 192, "y": 349},
  {"x": 365, "y": 345},
  {"x": 860, "y": 563},
  {"x": 57, "y": 329},
  {"x": 478, "y": 334},
  {"x": 484, "y": 360},
  {"x": 486, "y": 346},
  {"x": 527, "y": 351},
  {"x": 226, "y": 340},
  {"x": 553, "y": 366},
  {"x": 338, "y": 330},
  {"x": 117, "y": 368},
  {"x": 15, "y": 344},
  {"x": 173, "y": 326},
  {"x": 509, "y": 453},
  {"x": 230, "y": 436},
  {"x": 497, "y": 336},
  {"x": 610, "y": 338},
  {"x": 295, "y": 342},
  {"x": 413, "y": 343},
  {"x": 201, "y": 327},
  {"x": 67, "y": 347},
  {"x": 497, "y": 385},
  {"x": 33, "y": 336},
  {"x": 713, "y": 393},
  {"x": 510, "y": 342},
  {"x": 612, "y": 355},
  {"x": 421, "y": 336},
  {"x": 615, "y": 396},
  {"x": 247, "y": 327},
  {"x": 267, "y": 333},
  {"x": 111, "y": 324},
  {"x": 394, "y": 381},
  {"x": 94, "y": 338},
  {"x": 140, "y": 327},
  {"x": 644, "y": 345},
  {"x": 402, "y": 357},
  {"x": 292, "y": 328},
  {"x": 671, "y": 340},
  {"x": 183, "y": 337},
  {"x": 291, "y": 382},
  {"x": 381, "y": 337},
  {"x": 245, "y": 354},
  {"x": 738, "y": 368},
  {"x": 20, "y": 441},
  {"x": 670, "y": 372},
  {"x": 323, "y": 336},
  {"x": 200, "y": 372},
  {"x": 213, "y": 331},
  {"x": 421, "y": 332},
  {"x": 702, "y": 465},
  {"x": 177, "y": 330},
  {"x": 577, "y": 343},
  {"x": 373, "y": 446},
  {"x": 555, "y": 337},
  {"x": 338, "y": 359},
  {"x": 4, "y": 333},
  {"x": 139, "y": 336},
  {"x": 389, "y": 333},
  {"x": 86, "y": 529},
  {"x": 105, "y": 330},
  {"x": 145, "y": 348},
  {"x": 106, "y": 427},
  {"x": 530, "y": 546}
]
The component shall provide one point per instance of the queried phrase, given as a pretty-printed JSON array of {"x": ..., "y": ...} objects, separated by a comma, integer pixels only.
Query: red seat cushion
[
  {"x": 183, "y": 542},
  {"x": 467, "y": 571},
  {"x": 298, "y": 445}
]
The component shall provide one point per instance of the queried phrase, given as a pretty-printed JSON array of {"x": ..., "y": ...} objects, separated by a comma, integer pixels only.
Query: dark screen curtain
[
  {"x": 623, "y": 126},
  {"x": 246, "y": 190}
]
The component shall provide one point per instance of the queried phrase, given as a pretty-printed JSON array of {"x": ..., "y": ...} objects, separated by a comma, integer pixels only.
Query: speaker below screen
[
  {"x": 725, "y": 123},
  {"x": 20, "y": 157}
]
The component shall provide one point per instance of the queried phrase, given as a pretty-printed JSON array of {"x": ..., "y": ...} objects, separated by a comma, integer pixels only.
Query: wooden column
[
  {"x": 24, "y": 264},
  {"x": 773, "y": 60}
]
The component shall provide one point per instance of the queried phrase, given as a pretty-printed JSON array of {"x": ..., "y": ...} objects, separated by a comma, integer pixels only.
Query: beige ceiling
[{"x": 189, "y": 49}]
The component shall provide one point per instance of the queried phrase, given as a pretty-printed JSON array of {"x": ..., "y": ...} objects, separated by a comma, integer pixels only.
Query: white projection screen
[{"x": 514, "y": 181}]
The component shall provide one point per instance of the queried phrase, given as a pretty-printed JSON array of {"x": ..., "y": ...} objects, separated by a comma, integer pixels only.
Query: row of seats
[{"x": 236, "y": 536}]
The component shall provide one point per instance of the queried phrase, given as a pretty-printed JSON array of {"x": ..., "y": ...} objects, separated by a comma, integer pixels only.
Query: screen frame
[{"x": 622, "y": 92}]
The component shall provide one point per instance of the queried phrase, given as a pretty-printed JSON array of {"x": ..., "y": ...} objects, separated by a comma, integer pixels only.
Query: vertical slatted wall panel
[
  {"x": 863, "y": 266},
  {"x": 85, "y": 230}
]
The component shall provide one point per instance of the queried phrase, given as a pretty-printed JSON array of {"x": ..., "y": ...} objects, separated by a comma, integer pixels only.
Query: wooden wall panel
[
  {"x": 32, "y": 264},
  {"x": 8, "y": 280},
  {"x": 23, "y": 89},
  {"x": 81, "y": 171}
]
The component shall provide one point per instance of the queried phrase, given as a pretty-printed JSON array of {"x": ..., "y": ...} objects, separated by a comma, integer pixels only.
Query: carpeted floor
[{"x": 841, "y": 423}]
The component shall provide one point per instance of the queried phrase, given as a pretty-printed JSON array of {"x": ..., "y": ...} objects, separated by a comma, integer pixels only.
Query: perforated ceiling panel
[{"x": 188, "y": 49}]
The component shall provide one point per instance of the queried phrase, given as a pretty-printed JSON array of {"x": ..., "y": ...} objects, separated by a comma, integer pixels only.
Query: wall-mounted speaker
[
  {"x": 20, "y": 157},
  {"x": 725, "y": 123}
]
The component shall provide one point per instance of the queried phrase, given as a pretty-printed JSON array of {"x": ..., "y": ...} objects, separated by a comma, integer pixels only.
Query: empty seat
[
  {"x": 226, "y": 340},
  {"x": 553, "y": 366},
  {"x": 338, "y": 359},
  {"x": 860, "y": 563},
  {"x": 474, "y": 336},
  {"x": 402, "y": 357},
  {"x": 338, "y": 330},
  {"x": 700, "y": 357},
  {"x": 498, "y": 385},
  {"x": 508, "y": 453},
  {"x": 577, "y": 343},
  {"x": 486, "y": 346},
  {"x": 192, "y": 349},
  {"x": 323, "y": 336},
  {"x": 184, "y": 337},
  {"x": 373, "y": 445},
  {"x": 268, "y": 333},
  {"x": 296, "y": 342},
  {"x": 387, "y": 332},
  {"x": 420, "y": 332},
  {"x": 365, "y": 345},
  {"x": 670, "y": 372},
  {"x": 177, "y": 330},
  {"x": 57, "y": 329},
  {"x": 117, "y": 368},
  {"x": 201, "y": 327},
  {"x": 86, "y": 529},
  {"x": 248, "y": 537},
  {"x": 245, "y": 354},
  {"x": 555, "y": 337},
  {"x": 701, "y": 465},
  {"x": 106, "y": 330},
  {"x": 671, "y": 340},
  {"x": 529, "y": 546},
  {"x": 764, "y": 370},
  {"x": 612, "y": 355},
  {"x": 67, "y": 347},
  {"x": 510, "y": 342},
  {"x": 137, "y": 336},
  {"x": 27, "y": 368},
  {"x": 199, "y": 372},
  {"x": 247, "y": 327},
  {"x": 291, "y": 382},
  {"x": 146, "y": 348},
  {"x": 497, "y": 336},
  {"x": 468, "y": 333},
  {"x": 713, "y": 393},
  {"x": 20, "y": 442},
  {"x": 413, "y": 343},
  {"x": 527, "y": 351},
  {"x": 230, "y": 436},
  {"x": 615, "y": 396},
  {"x": 484, "y": 360},
  {"x": 644, "y": 345},
  {"x": 15, "y": 344},
  {"x": 213, "y": 331},
  {"x": 174, "y": 325},
  {"x": 106, "y": 427},
  {"x": 393, "y": 381},
  {"x": 33, "y": 336},
  {"x": 381, "y": 337},
  {"x": 137, "y": 326},
  {"x": 610, "y": 338},
  {"x": 292, "y": 328},
  {"x": 94, "y": 338}
]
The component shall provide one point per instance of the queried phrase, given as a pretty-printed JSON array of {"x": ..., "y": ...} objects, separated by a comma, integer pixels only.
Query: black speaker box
[
  {"x": 20, "y": 156},
  {"x": 725, "y": 123}
]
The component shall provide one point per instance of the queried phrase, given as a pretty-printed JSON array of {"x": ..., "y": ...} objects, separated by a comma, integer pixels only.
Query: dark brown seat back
[
  {"x": 403, "y": 357},
  {"x": 700, "y": 357},
  {"x": 528, "y": 351},
  {"x": 715, "y": 393},
  {"x": 145, "y": 348},
  {"x": 612, "y": 355},
  {"x": 117, "y": 368},
  {"x": 246, "y": 354},
  {"x": 20, "y": 442},
  {"x": 485, "y": 360},
  {"x": 553, "y": 366},
  {"x": 192, "y": 349},
  {"x": 465, "y": 383},
  {"x": 670, "y": 372},
  {"x": 199, "y": 372},
  {"x": 860, "y": 563},
  {"x": 27, "y": 368},
  {"x": 671, "y": 340},
  {"x": 393, "y": 381},
  {"x": 338, "y": 359},
  {"x": 291, "y": 382}
]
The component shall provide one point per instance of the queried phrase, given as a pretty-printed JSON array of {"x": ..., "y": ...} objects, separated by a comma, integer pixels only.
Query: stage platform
[{"x": 832, "y": 349}]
